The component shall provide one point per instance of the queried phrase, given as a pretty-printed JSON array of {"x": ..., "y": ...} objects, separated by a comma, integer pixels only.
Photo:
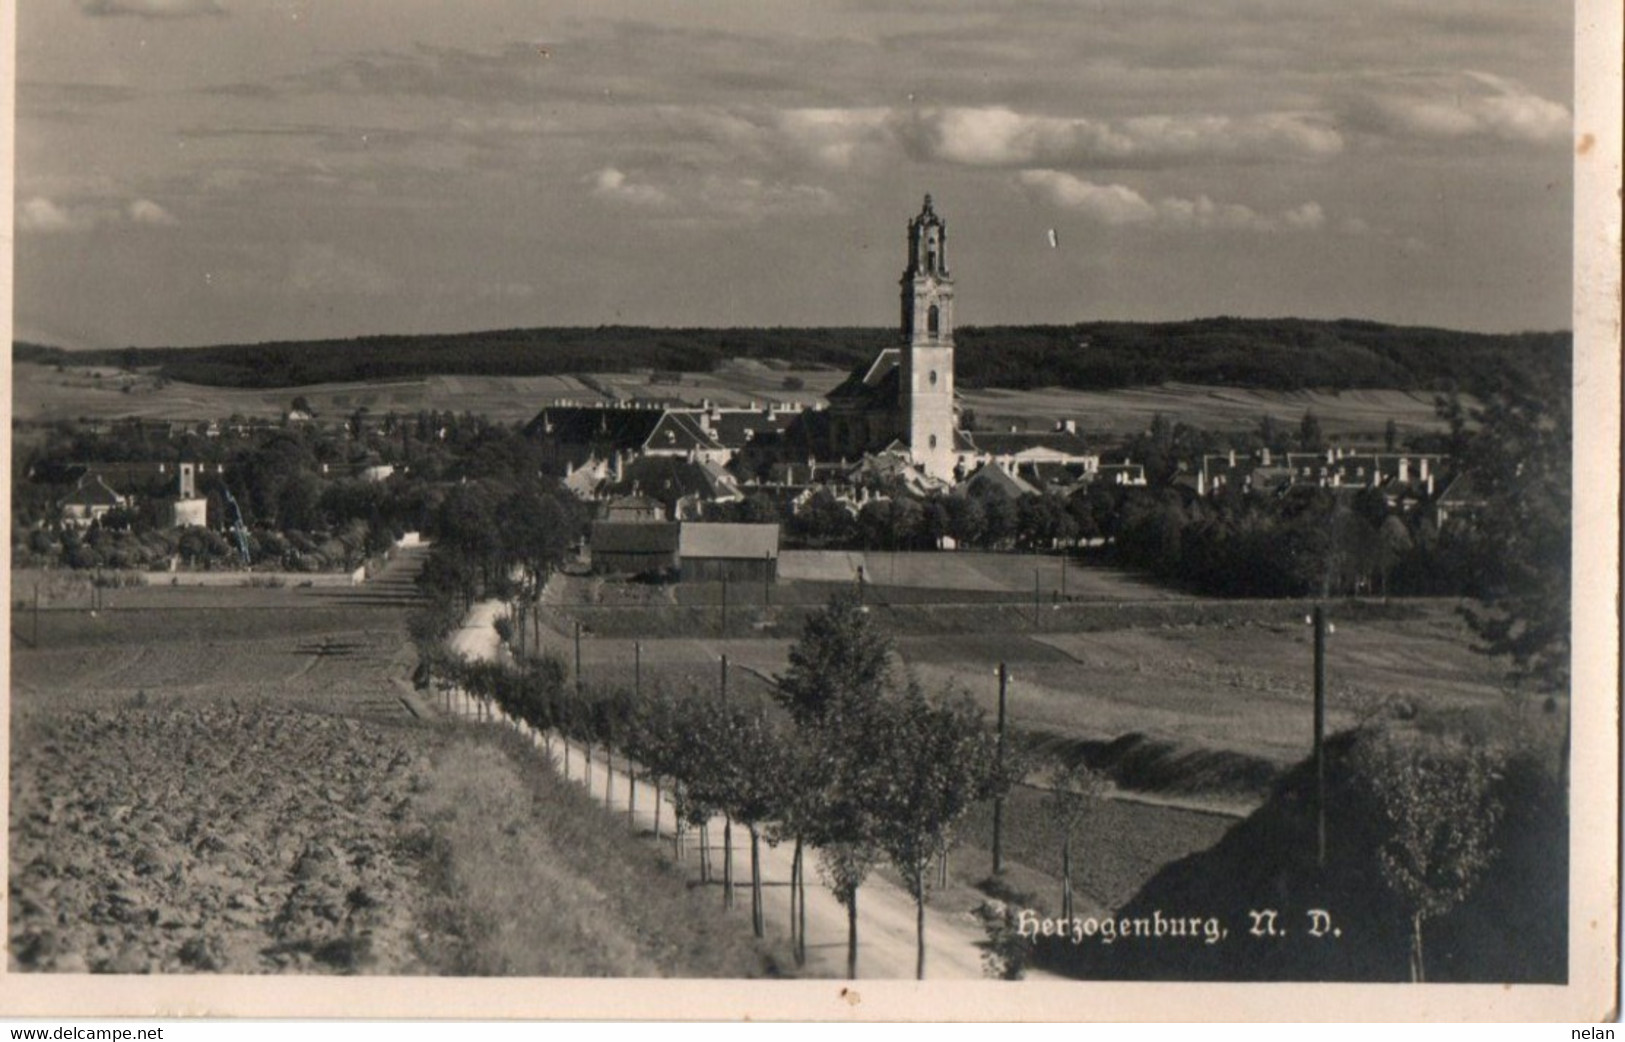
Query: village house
[{"x": 90, "y": 501}]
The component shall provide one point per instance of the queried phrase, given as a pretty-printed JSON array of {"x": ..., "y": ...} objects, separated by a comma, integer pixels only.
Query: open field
[
  {"x": 242, "y": 782},
  {"x": 1360, "y": 413},
  {"x": 41, "y": 393},
  {"x": 1218, "y": 693},
  {"x": 1242, "y": 690},
  {"x": 241, "y": 712}
]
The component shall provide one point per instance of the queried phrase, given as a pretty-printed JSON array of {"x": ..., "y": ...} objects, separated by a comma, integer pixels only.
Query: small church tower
[{"x": 928, "y": 345}]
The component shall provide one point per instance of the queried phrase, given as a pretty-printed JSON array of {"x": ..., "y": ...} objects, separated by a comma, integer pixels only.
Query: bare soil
[{"x": 242, "y": 787}]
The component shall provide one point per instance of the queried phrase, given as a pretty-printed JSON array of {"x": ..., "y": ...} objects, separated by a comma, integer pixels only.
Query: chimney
[
  {"x": 1424, "y": 472},
  {"x": 617, "y": 470},
  {"x": 1232, "y": 457},
  {"x": 1266, "y": 459},
  {"x": 188, "y": 482}
]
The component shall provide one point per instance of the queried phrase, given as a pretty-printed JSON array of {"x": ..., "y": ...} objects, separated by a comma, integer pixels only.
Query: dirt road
[{"x": 886, "y": 919}]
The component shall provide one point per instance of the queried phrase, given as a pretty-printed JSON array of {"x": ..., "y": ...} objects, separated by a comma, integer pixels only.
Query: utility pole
[
  {"x": 998, "y": 801},
  {"x": 767, "y": 578},
  {"x": 723, "y": 631},
  {"x": 1036, "y": 602},
  {"x": 1320, "y": 735},
  {"x": 578, "y": 657},
  {"x": 724, "y": 686},
  {"x": 637, "y": 670},
  {"x": 1063, "y": 575}
]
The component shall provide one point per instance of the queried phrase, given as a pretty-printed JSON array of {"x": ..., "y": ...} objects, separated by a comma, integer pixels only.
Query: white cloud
[
  {"x": 999, "y": 136},
  {"x": 1118, "y": 205},
  {"x": 40, "y": 214},
  {"x": 613, "y": 186},
  {"x": 1456, "y": 106},
  {"x": 1306, "y": 218},
  {"x": 145, "y": 211},
  {"x": 836, "y": 137},
  {"x": 151, "y": 8},
  {"x": 1108, "y": 204}
]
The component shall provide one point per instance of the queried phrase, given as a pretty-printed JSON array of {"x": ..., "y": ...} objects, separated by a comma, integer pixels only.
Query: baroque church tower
[{"x": 926, "y": 394}]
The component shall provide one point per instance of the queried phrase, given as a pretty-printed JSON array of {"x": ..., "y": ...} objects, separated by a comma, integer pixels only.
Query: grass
[
  {"x": 1121, "y": 846},
  {"x": 530, "y": 878}
]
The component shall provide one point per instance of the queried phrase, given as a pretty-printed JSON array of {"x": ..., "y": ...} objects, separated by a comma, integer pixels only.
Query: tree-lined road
[{"x": 886, "y": 913}]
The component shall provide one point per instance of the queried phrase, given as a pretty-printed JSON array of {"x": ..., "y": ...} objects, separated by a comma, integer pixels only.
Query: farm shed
[
  {"x": 634, "y": 547},
  {"x": 735, "y": 552}
]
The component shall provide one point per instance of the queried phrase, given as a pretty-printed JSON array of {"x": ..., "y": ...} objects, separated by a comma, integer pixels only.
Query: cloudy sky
[{"x": 202, "y": 171}]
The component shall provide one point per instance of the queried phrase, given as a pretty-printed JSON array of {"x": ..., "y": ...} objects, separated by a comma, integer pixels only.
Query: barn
[
  {"x": 711, "y": 552},
  {"x": 634, "y": 547}
]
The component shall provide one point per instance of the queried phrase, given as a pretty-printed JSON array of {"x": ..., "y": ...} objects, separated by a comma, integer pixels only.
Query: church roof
[{"x": 879, "y": 380}]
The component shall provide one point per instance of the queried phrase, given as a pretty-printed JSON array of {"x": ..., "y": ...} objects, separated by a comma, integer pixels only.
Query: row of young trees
[{"x": 851, "y": 761}]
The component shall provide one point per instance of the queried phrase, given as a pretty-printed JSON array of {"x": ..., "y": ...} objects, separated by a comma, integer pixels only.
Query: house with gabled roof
[
  {"x": 91, "y": 499},
  {"x": 991, "y": 479}
]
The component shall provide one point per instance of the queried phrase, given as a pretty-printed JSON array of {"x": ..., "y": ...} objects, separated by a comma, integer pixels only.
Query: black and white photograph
[{"x": 638, "y": 510}]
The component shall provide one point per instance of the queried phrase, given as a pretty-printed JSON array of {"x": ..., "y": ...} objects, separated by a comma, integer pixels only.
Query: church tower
[{"x": 927, "y": 393}]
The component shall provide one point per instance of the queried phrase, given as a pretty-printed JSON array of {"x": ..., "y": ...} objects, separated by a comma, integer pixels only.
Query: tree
[
  {"x": 1520, "y": 462},
  {"x": 999, "y": 526},
  {"x": 840, "y": 671},
  {"x": 1310, "y": 438},
  {"x": 1075, "y": 794},
  {"x": 750, "y": 792},
  {"x": 1438, "y": 817},
  {"x": 840, "y": 663},
  {"x": 966, "y": 519},
  {"x": 940, "y": 760},
  {"x": 1393, "y": 543},
  {"x": 1270, "y": 434}
]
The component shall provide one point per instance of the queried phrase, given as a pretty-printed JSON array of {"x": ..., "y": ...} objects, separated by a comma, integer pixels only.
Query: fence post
[
  {"x": 1320, "y": 736},
  {"x": 998, "y": 801}
]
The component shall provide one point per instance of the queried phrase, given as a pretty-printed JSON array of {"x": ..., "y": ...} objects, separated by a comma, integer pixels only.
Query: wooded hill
[{"x": 1279, "y": 354}]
